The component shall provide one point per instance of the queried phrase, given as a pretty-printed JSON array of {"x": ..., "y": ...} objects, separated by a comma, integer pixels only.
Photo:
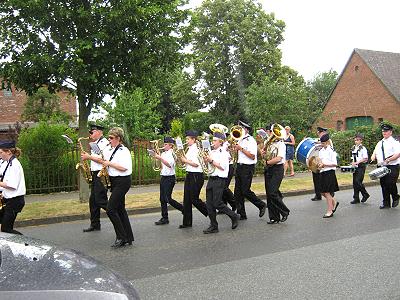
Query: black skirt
[{"x": 328, "y": 182}]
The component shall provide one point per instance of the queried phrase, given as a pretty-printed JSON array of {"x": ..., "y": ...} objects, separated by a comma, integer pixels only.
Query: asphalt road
[{"x": 353, "y": 255}]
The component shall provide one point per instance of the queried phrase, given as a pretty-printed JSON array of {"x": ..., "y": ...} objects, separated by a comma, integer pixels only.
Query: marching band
[{"x": 234, "y": 148}]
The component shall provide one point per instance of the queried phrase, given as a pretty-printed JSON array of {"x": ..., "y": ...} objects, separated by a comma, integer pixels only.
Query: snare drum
[
  {"x": 379, "y": 173},
  {"x": 307, "y": 149}
]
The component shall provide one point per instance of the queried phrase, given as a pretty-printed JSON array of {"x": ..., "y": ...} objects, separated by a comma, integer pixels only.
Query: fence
[{"x": 49, "y": 173}]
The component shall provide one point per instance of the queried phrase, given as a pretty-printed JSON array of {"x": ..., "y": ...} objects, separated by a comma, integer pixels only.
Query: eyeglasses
[
  {"x": 111, "y": 137},
  {"x": 90, "y": 131}
]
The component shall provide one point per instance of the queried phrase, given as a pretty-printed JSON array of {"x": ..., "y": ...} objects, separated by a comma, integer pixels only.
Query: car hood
[{"x": 31, "y": 264}]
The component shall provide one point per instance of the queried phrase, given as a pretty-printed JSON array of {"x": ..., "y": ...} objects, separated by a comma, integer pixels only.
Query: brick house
[
  {"x": 366, "y": 92},
  {"x": 12, "y": 105}
]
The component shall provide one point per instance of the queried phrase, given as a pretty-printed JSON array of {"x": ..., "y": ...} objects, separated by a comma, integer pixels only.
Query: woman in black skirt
[
  {"x": 328, "y": 181},
  {"x": 118, "y": 160}
]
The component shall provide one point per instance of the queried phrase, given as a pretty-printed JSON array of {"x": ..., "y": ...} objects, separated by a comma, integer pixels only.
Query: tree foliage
[
  {"x": 44, "y": 106},
  {"x": 136, "y": 112},
  {"x": 280, "y": 101},
  {"x": 93, "y": 46},
  {"x": 234, "y": 42},
  {"x": 321, "y": 86}
]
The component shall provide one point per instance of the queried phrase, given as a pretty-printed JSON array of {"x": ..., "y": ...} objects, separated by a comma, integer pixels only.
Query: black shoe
[
  {"x": 316, "y": 199},
  {"x": 162, "y": 221},
  {"x": 184, "y": 226},
  {"x": 235, "y": 222},
  {"x": 284, "y": 218},
  {"x": 334, "y": 209},
  {"x": 273, "y": 222},
  {"x": 328, "y": 216},
  {"x": 383, "y": 206},
  {"x": 211, "y": 229},
  {"x": 242, "y": 217},
  {"x": 355, "y": 201},
  {"x": 395, "y": 203},
  {"x": 91, "y": 229},
  {"x": 119, "y": 243},
  {"x": 262, "y": 210},
  {"x": 365, "y": 198}
]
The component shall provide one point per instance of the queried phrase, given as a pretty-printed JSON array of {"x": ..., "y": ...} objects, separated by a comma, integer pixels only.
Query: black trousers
[
  {"x": 12, "y": 207},
  {"x": 167, "y": 184},
  {"x": 116, "y": 211},
  {"x": 193, "y": 183},
  {"x": 316, "y": 181},
  {"x": 389, "y": 186},
  {"x": 358, "y": 186},
  {"x": 214, "y": 191},
  {"x": 228, "y": 197},
  {"x": 243, "y": 179},
  {"x": 97, "y": 200},
  {"x": 273, "y": 176}
]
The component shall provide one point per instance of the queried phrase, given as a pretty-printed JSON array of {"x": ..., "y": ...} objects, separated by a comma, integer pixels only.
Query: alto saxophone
[
  {"x": 83, "y": 166},
  {"x": 103, "y": 174}
]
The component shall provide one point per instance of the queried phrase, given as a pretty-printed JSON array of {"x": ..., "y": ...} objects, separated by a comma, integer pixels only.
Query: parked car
[{"x": 35, "y": 269}]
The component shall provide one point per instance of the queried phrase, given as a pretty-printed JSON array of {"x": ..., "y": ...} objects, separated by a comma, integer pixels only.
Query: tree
[
  {"x": 136, "y": 111},
  {"x": 286, "y": 102},
  {"x": 234, "y": 43},
  {"x": 93, "y": 47},
  {"x": 322, "y": 85},
  {"x": 44, "y": 106}
]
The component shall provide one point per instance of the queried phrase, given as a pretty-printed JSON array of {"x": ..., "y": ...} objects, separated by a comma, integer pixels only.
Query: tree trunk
[{"x": 84, "y": 190}]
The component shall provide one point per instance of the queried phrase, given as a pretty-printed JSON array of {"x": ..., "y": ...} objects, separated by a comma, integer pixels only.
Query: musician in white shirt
[
  {"x": 387, "y": 153},
  {"x": 247, "y": 159},
  {"x": 194, "y": 181},
  {"x": 359, "y": 157},
  {"x": 167, "y": 181},
  {"x": 228, "y": 197},
  {"x": 118, "y": 160},
  {"x": 328, "y": 181},
  {"x": 12, "y": 185},
  {"x": 219, "y": 160},
  {"x": 98, "y": 192}
]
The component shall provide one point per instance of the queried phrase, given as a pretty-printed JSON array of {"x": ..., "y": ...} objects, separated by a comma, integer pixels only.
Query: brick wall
[
  {"x": 12, "y": 106},
  {"x": 359, "y": 93}
]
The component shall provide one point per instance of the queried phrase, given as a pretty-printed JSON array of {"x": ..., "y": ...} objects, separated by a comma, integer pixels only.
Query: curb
[{"x": 141, "y": 211}]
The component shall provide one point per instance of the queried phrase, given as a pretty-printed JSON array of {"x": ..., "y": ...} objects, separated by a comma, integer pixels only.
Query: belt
[{"x": 240, "y": 164}]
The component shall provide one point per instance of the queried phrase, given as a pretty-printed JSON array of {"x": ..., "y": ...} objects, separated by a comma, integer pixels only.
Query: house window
[
  {"x": 7, "y": 92},
  {"x": 354, "y": 122},
  {"x": 356, "y": 68},
  {"x": 339, "y": 125},
  {"x": 380, "y": 120}
]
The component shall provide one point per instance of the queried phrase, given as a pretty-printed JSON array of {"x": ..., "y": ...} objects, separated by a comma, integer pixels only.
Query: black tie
[{"x": 383, "y": 151}]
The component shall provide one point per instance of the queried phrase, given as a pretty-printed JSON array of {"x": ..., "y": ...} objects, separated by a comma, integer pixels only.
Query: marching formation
[{"x": 218, "y": 156}]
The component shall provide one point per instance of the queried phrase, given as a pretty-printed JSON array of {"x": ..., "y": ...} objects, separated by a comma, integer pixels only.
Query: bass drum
[{"x": 307, "y": 154}]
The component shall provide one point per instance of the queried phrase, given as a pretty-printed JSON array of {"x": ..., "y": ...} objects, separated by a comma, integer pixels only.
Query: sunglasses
[
  {"x": 111, "y": 137},
  {"x": 90, "y": 131}
]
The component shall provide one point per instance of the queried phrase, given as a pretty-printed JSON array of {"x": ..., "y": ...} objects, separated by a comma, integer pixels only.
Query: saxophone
[
  {"x": 83, "y": 166},
  {"x": 104, "y": 175}
]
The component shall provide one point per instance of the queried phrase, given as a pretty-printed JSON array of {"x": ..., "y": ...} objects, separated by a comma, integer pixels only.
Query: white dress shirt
[
  {"x": 193, "y": 155},
  {"x": 122, "y": 157},
  {"x": 102, "y": 143},
  {"x": 359, "y": 152},
  {"x": 14, "y": 178},
  {"x": 225, "y": 146},
  {"x": 222, "y": 157},
  {"x": 247, "y": 143},
  {"x": 391, "y": 147},
  {"x": 327, "y": 156},
  {"x": 168, "y": 156}
]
